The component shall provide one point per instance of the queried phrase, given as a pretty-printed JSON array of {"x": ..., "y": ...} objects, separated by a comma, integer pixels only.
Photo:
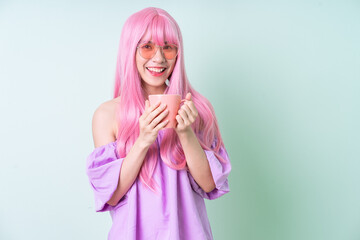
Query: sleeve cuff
[
  {"x": 219, "y": 171},
  {"x": 103, "y": 169}
]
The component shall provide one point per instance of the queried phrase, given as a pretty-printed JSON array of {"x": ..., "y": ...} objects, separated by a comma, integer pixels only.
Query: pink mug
[{"x": 172, "y": 102}]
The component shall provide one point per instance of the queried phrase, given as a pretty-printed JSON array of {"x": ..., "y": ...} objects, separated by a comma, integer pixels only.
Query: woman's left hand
[{"x": 186, "y": 116}]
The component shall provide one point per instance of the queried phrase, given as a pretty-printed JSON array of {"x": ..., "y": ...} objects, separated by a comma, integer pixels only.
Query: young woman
[{"x": 152, "y": 179}]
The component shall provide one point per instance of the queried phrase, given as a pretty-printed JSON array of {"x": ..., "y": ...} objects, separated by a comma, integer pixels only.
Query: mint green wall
[{"x": 283, "y": 78}]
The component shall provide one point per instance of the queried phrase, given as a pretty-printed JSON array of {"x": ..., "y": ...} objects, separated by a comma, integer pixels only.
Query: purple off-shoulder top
[{"x": 178, "y": 213}]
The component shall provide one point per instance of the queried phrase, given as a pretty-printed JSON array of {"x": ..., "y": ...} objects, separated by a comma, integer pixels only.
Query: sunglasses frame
[{"x": 157, "y": 46}]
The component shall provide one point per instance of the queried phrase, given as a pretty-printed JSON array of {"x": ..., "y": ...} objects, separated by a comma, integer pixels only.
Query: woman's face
[{"x": 154, "y": 71}]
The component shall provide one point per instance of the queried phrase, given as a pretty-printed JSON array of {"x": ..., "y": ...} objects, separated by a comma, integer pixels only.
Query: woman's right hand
[{"x": 149, "y": 122}]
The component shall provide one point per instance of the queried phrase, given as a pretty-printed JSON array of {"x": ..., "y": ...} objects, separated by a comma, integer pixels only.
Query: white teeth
[{"x": 156, "y": 69}]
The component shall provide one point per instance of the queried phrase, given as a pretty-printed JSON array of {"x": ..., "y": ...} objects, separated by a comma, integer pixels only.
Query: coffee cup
[{"x": 172, "y": 102}]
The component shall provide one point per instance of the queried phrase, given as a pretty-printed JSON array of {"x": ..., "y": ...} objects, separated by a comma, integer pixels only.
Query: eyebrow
[{"x": 166, "y": 42}]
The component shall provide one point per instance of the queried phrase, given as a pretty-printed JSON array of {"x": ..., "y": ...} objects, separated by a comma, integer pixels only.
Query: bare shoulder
[{"x": 104, "y": 125}]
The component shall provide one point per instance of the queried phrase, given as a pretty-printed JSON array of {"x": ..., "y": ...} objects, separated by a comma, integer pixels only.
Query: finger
[
  {"x": 150, "y": 109},
  {"x": 187, "y": 110},
  {"x": 183, "y": 114},
  {"x": 161, "y": 125},
  {"x": 188, "y": 96},
  {"x": 192, "y": 107},
  {"x": 159, "y": 118},
  {"x": 190, "y": 114},
  {"x": 155, "y": 113},
  {"x": 179, "y": 120}
]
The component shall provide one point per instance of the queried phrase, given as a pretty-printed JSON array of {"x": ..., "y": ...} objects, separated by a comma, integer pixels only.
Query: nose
[{"x": 159, "y": 56}]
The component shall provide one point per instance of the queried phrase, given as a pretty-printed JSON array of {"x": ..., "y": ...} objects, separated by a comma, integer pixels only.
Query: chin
[{"x": 155, "y": 83}]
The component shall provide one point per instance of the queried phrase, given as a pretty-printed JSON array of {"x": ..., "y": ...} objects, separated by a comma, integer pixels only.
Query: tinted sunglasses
[{"x": 148, "y": 50}]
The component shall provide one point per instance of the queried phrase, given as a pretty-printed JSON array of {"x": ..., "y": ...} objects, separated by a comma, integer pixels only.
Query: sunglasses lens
[
  {"x": 170, "y": 51},
  {"x": 148, "y": 50}
]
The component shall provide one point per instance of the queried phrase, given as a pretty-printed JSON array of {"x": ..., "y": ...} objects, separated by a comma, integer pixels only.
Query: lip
[
  {"x": 156, "y": 74},
  {"x": 156, "y": 66}
]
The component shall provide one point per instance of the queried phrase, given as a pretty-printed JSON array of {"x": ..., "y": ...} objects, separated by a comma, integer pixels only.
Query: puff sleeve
[
  {"x": 220, "y": 172},
  {"x": 103, "y": 169}
]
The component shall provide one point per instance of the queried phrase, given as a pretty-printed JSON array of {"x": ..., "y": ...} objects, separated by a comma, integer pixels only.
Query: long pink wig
[{"x": 132, "y": 96}]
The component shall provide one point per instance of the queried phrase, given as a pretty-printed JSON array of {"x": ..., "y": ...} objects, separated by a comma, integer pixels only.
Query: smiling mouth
[{"x": 156, "y": 70}]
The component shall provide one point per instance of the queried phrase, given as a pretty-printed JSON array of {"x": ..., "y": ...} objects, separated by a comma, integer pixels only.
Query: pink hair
[{"x": 132, "y": 96}]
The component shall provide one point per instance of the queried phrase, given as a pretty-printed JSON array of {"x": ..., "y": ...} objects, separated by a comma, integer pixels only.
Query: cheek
[
  {"x": 140, "y": 63},
  {"x": 137, "y": 61},
  {"x": 172, "y": 66}
]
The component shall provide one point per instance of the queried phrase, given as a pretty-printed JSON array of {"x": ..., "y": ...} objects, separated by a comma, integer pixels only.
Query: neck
[{"x": 149, "y": 90}]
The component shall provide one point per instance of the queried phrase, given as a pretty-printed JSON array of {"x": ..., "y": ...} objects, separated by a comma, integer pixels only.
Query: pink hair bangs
[{"x": 161, "y": 30}]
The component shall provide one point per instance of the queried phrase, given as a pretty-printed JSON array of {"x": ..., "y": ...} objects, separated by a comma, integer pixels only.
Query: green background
[{"x": 283, "y": 77}]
